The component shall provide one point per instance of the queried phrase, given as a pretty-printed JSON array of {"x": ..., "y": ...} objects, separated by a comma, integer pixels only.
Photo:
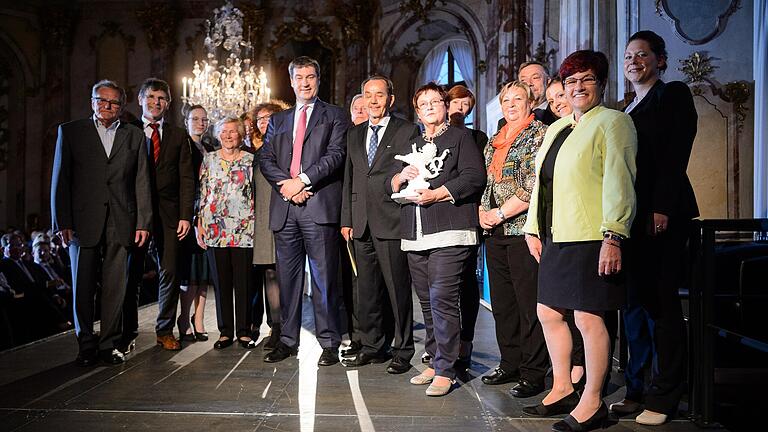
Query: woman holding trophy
[{"x": 439, "y": 223}]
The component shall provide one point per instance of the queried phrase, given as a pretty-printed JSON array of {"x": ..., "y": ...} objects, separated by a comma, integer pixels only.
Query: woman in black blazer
[
  {"x": 665, "y": 118},
  {"x": 439, "y": 230}
]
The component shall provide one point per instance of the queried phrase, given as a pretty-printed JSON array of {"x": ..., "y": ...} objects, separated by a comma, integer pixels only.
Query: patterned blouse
[
  {"x": 226, "y": 200},
  {"x": 518, "y": 174}
]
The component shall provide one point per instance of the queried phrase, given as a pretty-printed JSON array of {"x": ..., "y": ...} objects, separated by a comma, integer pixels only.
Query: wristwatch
[{"x": 500, "y": 214}]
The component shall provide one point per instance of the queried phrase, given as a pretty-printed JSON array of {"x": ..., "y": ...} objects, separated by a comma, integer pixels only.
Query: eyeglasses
[
  {"x": 586, "y": 81},
  {"x": 107, "y": 102},
  {"x": 202, "y": 119},
  {"x": 263, "y": 118},
  {"x": 433, "y": 102}
]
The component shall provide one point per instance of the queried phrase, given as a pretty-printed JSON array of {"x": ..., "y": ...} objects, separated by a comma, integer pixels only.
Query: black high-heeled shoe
[
  {"x": 562, "y": 406},
  {"x": 201, "y": 337},
  {"x": 599, "y": 420}
]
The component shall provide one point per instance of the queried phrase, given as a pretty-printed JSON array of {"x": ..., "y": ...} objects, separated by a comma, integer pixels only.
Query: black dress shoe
[
  {"x": 563, "y": 406},
  {"x": 222, "y": 343},
  {"x": 598, "y": 420},
  {"x": 126, "y": 347},
  {"x": 113, "y": 356},
  {"x": 280, "y": 353},
  {"x": 329, "y": 357},
  {"x": 364, "y": 358},
  {"x": 87, "y": 359},
  {"x": 398, "y": 366},
  {"x": 247, "y": 343},
  {"x": 526, "y": 389},
  {"x": 353, "y": 349},
  {"x": 273, "y": 339},
  {"x": 499, "y": 376}
]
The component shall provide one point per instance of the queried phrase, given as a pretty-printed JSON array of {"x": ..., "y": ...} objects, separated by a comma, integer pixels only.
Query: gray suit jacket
[{"x": 86, "y": 183}]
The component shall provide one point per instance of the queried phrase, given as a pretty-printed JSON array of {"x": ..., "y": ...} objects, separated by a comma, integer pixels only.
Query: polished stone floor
[{"x": 203, "y": 389}]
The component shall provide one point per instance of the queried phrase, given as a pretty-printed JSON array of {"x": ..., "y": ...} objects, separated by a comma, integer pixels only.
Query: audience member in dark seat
[
  {"x": 45, "y": 269},
  {"x": 665, "y": 118},
  {"x": 34, "y": 313}
]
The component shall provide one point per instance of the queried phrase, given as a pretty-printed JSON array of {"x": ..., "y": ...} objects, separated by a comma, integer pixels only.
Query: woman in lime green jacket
[{"x": 581, "y": 209}]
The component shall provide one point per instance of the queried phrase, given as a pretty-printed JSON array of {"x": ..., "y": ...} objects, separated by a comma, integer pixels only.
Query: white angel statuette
[{"x": 429, "y": 166}]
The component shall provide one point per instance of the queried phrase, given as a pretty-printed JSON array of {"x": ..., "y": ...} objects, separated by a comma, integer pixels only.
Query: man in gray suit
[{"x": 101, "y": 205}]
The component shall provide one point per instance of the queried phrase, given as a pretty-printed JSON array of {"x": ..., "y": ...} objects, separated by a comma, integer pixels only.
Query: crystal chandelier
[{"x": 231, "y": 88}]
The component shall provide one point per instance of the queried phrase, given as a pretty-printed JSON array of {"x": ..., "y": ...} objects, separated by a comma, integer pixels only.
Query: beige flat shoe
[
  {"x": 651, "y": 418},
  {"x": 422, "y": 379},
  {"x": 626, "y": 406},
  {"x": 435, "y": 390}
]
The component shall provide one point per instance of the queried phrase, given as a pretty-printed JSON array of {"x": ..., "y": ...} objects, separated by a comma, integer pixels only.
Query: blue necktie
[{"x": 373, "y": 144}]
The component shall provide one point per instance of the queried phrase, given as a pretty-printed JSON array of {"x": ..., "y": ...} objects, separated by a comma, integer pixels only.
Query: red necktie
[
  {"x": 155, "y": 138},
  {"x": 298, "y": 142}
]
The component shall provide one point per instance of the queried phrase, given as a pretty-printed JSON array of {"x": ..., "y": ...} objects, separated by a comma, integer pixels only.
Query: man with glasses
[
  {"x": 100, "y": 207},
  {"x": 173, "y": 196}
]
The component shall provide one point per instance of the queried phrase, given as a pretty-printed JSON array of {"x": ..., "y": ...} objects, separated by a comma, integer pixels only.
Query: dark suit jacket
[
  {"x": 365, "y": 201},
  {"x": 322, "y": 160},
  {"x": 666, "y": 123},
  {"x": 85, "y": 183},
  {"x": 463, "y": 175},
  {"x": 173, "y": 179}
]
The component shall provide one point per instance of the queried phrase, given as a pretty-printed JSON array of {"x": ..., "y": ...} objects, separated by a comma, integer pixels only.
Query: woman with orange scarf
[{"x": 512, "y": 271}]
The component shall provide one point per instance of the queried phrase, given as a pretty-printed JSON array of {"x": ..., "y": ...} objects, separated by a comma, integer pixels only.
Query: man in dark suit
[
  {"x": 100, "y": 206},
  {"x": 303, "y": 159},
  {"x": 372, "y": 221},
  {"x": 173, "y": 194}
]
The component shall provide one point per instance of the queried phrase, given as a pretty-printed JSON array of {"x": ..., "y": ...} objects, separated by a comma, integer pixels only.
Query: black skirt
[{"x": 568, "y": 278}]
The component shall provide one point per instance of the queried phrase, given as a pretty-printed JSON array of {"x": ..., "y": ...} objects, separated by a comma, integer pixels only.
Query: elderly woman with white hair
[{"x": 225, "y": 228}]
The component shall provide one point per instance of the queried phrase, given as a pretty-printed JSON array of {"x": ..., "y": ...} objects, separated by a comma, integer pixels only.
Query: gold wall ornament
[
  {"x": 59, "y": 25},
  {"x": 303, "y": 29},
  {"x": 225, "y": 83},
  {"x": 254, "y": 21},
  {"x": 419, "y": 9},
  {"x": 112, "y": 29},
  {"x": 159, "y": 21},
  {"x": 698, "y": 70},
  {"x": 697, "y": 67},
  {"x": 737, "y": 93},
  {"x": 482, "y": 66},
  {"x": 354, "y": 18}
]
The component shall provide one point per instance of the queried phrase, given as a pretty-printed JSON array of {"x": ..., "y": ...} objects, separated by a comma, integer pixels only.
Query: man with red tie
[
  {"x": 173, "y": 195},
  {"x": 303, "y": 159}
]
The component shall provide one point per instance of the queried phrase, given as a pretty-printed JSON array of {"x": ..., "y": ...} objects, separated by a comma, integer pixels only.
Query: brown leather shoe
[{"x": 168, "y": 342}]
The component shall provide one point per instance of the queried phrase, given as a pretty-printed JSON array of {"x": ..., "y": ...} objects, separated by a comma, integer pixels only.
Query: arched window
[{"x": 450, "y": 75}]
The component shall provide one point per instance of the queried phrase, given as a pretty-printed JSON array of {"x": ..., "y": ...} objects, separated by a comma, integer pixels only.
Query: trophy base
[{"x": 403, "y": 197}]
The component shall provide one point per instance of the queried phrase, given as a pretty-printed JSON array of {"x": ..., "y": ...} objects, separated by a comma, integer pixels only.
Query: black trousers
[
  {"x": 165, "y": 251},
  {"x": 260, "y": 302},
  {"x": 469, "y": 299},
  {"x": 513, "y": 275},
  {"x": 231, "y": 268},
  {"x": 110, "y": 259},
  {"x": 384, "y": 302},
  {"x": 437, "y": 276},
  {"x": 655, "y": 273}
]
